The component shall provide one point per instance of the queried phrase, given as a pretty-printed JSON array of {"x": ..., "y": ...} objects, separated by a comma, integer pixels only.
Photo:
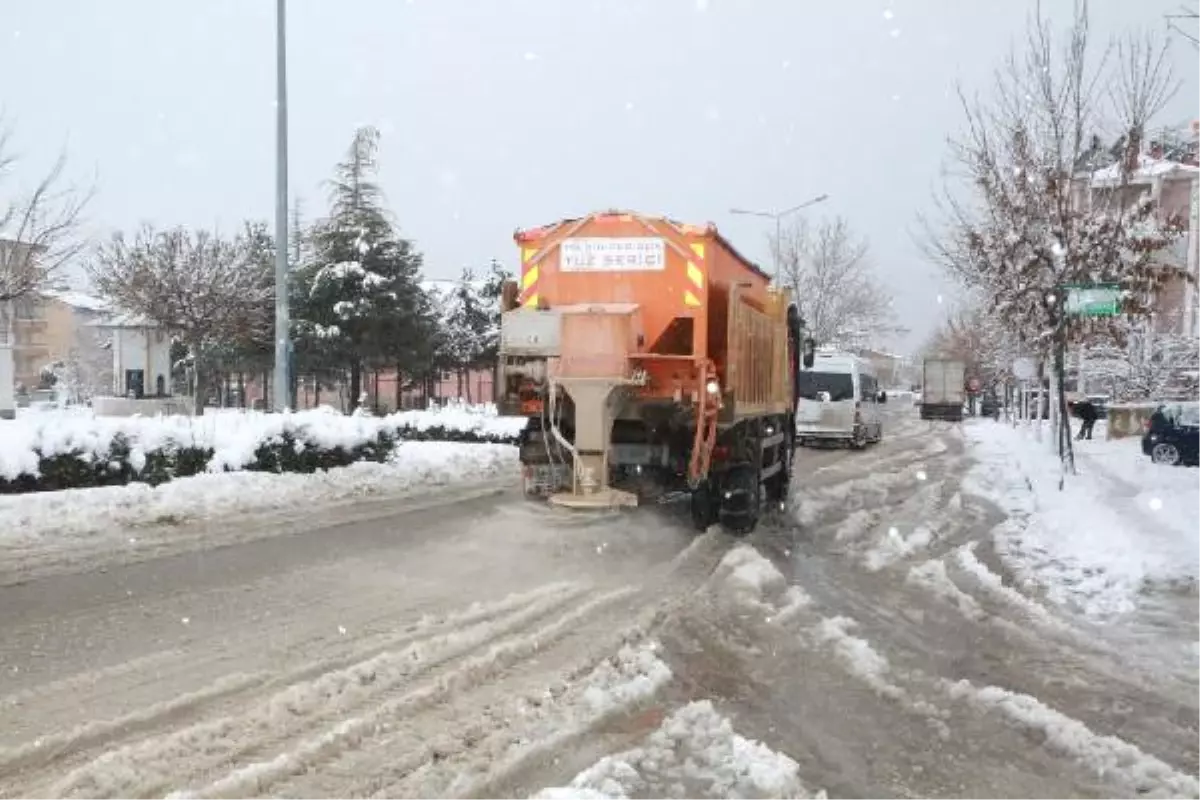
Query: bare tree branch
[
  {"x": 214, "y": 293},
  {"x": 1032, "y": 221},
  {"x": 39, "y": 232},
  {"x": 829, "y": 271}
]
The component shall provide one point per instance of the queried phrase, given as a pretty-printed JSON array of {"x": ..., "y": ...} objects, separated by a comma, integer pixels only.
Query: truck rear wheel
[
  {"x": 777, "y": 484},
  {"x": 704, "y": 504},
  {"x": 740, "y": 500}
]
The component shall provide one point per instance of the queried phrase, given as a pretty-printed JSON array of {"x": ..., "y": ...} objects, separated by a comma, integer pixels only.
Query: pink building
[
  {"x": 1174, "y": 186},
  {"x": 380, "y": 387}
]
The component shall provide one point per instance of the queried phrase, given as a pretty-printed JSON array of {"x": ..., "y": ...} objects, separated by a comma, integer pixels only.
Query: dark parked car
[
  {"x": 1173, "y": 434},
  {"x": 989, "y": 406}
]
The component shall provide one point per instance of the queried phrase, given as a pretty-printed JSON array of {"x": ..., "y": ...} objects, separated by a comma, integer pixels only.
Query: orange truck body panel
[{"x": 697, "y": 301}]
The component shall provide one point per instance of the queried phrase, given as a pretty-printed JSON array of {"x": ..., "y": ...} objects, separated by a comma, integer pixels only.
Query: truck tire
[
  {"x": 704, "y": 505},
  {"x": 777, "y": 485},
  {"x": 740, "y": 500}
]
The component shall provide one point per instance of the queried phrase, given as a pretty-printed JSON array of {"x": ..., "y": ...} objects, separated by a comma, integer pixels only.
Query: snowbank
[
  {"x": 30, "y": 518},
  {"x": 70, "y": 449},
  {"x": 748, "y": 579},
  {"x": 1123, "y": 525},
  {"x": 696, "y": 753}
]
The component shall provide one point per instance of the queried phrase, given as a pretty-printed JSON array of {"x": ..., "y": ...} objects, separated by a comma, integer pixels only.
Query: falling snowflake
[
  {"x": 629, "y": 105},
  {"x": 921, "y": 475},
  {"x": 787, "y": 64},
  {"x": 894, "y": 33},
  {"x": 702, "y": 5},
  {"x": 939, "y": 299},
  {"x": 887, "y": 13},
  {"x": 894, "y": 532},
  {"x": 1156, "y": 504},
  {"x": 186, "y": 620},
  {"x": 530, "y": 56},
  {"x": 342, "y": 630},
  {"x": 712, "y": 114},
  {"x": 895, "y": 97}
]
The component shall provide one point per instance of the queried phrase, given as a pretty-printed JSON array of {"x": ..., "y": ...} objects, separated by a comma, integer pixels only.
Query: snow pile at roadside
[
  {"x": 696, "y": 753},
  {"x": 85, "y": 512},
  {"x": 233, "y": 437},
  {"x": 1120, "y": 526},
  {"x": 478, "y": 419}
]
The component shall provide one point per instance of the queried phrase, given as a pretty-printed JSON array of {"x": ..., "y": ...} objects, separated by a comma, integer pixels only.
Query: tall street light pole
[
  {"x": 778, "y": 217},
  {"x": 282, "y": 322}
]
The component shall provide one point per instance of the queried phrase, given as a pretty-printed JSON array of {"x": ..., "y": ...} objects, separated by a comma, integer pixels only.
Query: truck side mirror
[
  {"x": 883, "y": 397},
  {"x": 810, "y": 352}
]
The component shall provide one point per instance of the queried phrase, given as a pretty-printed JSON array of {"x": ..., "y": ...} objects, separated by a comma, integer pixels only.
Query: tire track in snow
[
  {"x": 1138, "y": 771},
  {"x": 257, "y": 778},
  {"x": 46, "y": 749},
  {"x": 154, "y": 764}
]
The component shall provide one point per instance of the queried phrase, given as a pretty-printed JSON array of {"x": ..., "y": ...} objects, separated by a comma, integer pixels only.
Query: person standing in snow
[{"x": 1087, "y": 412}]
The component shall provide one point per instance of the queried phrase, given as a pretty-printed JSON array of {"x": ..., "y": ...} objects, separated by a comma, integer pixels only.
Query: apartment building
[
  {"x": 55, "y": 326},
  {"x": 1174, "y": 186}
]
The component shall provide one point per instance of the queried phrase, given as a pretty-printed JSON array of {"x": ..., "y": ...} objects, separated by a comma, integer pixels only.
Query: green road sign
[{"x": 1094, "y": 299}]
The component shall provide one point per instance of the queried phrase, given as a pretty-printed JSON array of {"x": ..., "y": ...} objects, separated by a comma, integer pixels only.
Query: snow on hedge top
[{"x": 233, "y": 436}]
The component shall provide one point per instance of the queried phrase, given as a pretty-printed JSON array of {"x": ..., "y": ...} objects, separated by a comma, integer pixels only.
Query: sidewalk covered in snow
[{"x": 1120, "y": 530}]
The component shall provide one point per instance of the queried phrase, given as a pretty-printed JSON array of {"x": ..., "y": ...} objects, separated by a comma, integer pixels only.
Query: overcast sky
[{"x": 500, "y": 114}]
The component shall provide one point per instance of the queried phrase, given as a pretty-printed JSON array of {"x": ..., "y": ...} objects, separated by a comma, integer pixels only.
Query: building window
[
  {"x": 29, "y": 308},
  {"x": 135, "y": 383}
]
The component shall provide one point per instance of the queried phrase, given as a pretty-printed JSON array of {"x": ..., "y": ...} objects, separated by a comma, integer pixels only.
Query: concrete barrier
[{"x": 1128, "y": 419}]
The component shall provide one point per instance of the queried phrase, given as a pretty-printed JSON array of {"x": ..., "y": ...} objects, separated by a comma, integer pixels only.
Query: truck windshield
[{"x": 839, "y": 385}]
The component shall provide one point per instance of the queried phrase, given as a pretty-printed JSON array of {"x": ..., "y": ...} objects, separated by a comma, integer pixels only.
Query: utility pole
[{"x": 282, "y": 388}]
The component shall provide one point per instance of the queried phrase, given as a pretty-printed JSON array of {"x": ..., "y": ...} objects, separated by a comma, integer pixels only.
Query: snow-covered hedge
[{"x": 53, "y": 451}]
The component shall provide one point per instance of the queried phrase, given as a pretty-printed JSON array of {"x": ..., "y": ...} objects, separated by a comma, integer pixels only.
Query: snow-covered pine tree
[{"x": 360, "y": 298}]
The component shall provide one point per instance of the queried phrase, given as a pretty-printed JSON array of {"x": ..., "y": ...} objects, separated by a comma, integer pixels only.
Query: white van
[{"x": 839, "y": 402}]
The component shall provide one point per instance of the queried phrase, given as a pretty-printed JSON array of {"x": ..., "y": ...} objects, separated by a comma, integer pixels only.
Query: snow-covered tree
[
  {"x": 469, "y": 323},
  {"x": 1147, "y": 365},
  {"x": 829, "y": 271},
  {"x": 213, "y": 293},
  {"x": 39, "y": 229},
  {"x": 360, "y": 299},
  {"x": 1027, "y": 225}
]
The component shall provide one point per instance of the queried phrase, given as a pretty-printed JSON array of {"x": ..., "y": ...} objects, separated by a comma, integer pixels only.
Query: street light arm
[
  {"x": 818, "y": 199},
  {"x": 766, "y": 214}
]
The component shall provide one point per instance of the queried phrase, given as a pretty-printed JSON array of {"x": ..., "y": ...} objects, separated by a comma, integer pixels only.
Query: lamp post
[
  {"x": 282, "y": 322},
  {"x": 778, "y": 217}
]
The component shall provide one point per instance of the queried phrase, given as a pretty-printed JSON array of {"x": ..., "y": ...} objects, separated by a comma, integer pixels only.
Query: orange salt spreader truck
[{"x": 649, "y": 358}]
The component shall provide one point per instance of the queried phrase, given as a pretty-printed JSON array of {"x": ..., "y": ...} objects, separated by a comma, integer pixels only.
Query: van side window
[{"x": 868, "y": 388}]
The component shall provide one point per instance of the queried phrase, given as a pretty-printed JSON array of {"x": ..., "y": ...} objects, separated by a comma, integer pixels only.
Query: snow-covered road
[{"x": 870, "y": 642}]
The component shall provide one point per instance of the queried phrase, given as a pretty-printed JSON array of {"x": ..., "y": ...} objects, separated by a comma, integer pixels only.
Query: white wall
[{"x": 146, "y": 349}]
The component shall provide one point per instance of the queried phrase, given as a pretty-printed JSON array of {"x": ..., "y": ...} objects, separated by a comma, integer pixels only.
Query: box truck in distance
[{"x": 943, "y": 389}]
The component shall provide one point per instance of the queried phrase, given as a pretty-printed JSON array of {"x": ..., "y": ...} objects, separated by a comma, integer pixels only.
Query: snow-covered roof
[
  {"x": 125, "y": 321},
  {"x": 1148, "y": 168},
  {"x": 80, "y": 300}
]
